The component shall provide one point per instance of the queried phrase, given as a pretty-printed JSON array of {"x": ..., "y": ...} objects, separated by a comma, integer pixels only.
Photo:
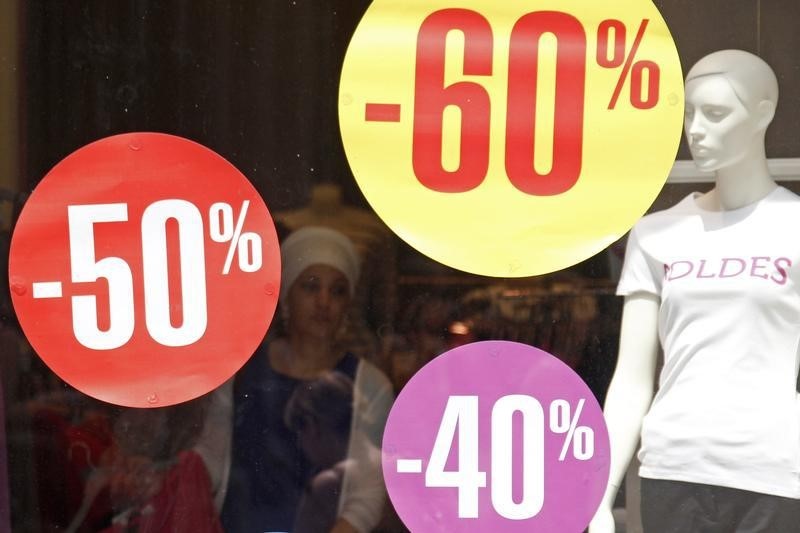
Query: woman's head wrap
[{"x": 316, "y": 245}]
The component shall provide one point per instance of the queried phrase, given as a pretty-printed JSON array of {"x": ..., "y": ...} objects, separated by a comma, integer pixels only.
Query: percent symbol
[
  {"x": 248, "y": 244},
  {"x": 631, "y": 70},
  {"x": 563, "y": 421}
]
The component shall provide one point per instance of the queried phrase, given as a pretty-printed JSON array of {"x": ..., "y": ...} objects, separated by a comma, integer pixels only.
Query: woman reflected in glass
[{"x": 272, "y": 466}]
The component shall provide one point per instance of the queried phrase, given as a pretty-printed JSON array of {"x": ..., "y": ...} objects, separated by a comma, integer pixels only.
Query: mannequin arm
[{"x": 629, "y": 394}]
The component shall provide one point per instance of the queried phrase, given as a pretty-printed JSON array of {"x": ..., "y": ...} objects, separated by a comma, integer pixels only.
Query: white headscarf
[{"x": 316, "y": 245}]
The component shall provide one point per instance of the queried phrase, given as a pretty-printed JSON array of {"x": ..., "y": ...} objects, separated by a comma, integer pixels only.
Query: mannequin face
[{"x": 720, "y": 130}]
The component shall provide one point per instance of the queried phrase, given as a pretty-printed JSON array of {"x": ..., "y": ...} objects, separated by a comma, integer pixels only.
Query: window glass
[{"x": 293, "y": 441}]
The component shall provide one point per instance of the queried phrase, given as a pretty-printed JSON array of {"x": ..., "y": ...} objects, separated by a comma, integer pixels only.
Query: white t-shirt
[{"x": 727, "y": 411}]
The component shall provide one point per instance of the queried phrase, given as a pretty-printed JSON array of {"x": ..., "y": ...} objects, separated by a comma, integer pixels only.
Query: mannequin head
[{"x": 731, "y": 96}]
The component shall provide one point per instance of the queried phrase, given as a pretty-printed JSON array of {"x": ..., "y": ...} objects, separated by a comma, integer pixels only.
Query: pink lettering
[
  {"x": 702, "y": 267},
  {"x": 755, "y": 266},
  {"x": 782, "y": 265},
  {"x": 731, "y": 267},
  {"x": 724, "y": 273},
  {"x": 674, "y": 270}
]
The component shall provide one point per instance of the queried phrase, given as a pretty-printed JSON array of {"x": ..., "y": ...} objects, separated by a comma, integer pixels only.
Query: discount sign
[
  {"x": 144, "y": 269},
  {"x": 506, "y": 438},
  {"x": 511, "y": 138}
]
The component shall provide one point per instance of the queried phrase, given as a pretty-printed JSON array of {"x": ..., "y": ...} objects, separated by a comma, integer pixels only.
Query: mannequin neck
[{"x": 740, "y": 184}]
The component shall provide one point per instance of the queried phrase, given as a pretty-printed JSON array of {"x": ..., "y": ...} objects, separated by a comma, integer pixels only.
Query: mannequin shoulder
[
  {"x": 787, "y": 198},
  {"x": 781, "y": 209},
  {"x": 666, "y": 220}
]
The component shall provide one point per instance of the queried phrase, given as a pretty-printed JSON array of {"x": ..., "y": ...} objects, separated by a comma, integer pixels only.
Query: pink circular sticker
[{"x": 496, "y": 436}]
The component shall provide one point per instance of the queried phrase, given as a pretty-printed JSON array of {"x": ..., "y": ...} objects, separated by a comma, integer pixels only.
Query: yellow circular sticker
[{"x": 511, "y": 139}]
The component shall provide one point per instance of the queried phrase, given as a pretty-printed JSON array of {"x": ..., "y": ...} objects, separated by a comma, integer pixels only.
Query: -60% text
[{"x": 557, "y": 171}]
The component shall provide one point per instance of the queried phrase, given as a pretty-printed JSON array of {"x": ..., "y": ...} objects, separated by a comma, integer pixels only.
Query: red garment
[
  {"x": 64, "y": 455},
  {"x": 183, "y": 503}
]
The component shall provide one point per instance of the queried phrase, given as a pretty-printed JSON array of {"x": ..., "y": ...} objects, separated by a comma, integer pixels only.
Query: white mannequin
[{"x": 731, "y": 98}]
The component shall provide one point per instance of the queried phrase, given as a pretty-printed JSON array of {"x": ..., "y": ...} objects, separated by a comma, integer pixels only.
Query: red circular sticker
[{"x": 144, "y": 269}]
